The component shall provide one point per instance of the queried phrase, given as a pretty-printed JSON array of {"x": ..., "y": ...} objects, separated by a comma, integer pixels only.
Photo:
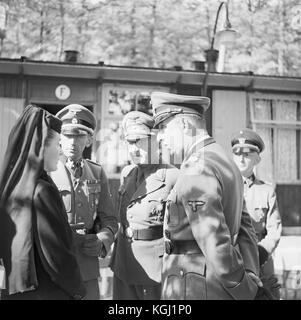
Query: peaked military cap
[
  {"x": 247, "y": 138},
  {"x": 76, "y": 120},
  {"x": 166, "y": 105},
  {"x": 137, "y": 125}
]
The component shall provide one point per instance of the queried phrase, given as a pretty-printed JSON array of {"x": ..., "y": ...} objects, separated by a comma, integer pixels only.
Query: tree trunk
[
  {"x": 62, "y": 29},
  {"x": 42, "y": 28},
  {"x": 281, "y": 67},
  {"x": 152, "y": 34},
  {"x": 133, "y": 50}
]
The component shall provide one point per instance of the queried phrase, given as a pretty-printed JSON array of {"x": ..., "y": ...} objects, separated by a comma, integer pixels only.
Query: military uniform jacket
[
  {"x": 205, "y": 208},
  {"x": 140, "y": 261},
  {"x": 261, "y": 204},
  {"x": 89, "y": 199}
]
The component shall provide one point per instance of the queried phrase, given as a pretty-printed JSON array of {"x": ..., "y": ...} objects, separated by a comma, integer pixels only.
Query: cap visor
[
  {"x": 246, "y": 145},
  {"x": 136, "y": 136},
  {"x": 74, "y": 132}
]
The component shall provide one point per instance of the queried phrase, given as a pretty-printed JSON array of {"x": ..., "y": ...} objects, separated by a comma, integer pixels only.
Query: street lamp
[{"x": 225, "y": 36}]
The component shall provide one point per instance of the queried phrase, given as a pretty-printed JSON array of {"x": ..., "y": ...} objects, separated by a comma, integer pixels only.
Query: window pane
[
  {"x": 265, "y": 169},
  {"x": 122, "y": 101},
  {"x": 286, "y": 154},
  {"x": 262, "y": 109},
  {"x": 284, "y": 110}
]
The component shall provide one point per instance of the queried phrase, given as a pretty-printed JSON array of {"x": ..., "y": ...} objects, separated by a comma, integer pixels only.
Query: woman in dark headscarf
[{"x": 35, "y": 237}]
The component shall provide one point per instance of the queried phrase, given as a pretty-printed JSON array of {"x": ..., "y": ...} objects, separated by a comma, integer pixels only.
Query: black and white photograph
[{"x": 150, "y": 150}]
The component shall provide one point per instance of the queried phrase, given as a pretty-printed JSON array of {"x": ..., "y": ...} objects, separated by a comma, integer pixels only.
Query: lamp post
[{"x": 225, "y": 36}]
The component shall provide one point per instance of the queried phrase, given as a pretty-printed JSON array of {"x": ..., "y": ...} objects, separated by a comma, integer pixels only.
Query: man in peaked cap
[
  {"x": 137, "y": 255},
  {"x": 260, "y": 200},
  {"x": 84, "y": 188},
  {"x": 249, "y": 139},
  {"x": 206, "y": 237}
]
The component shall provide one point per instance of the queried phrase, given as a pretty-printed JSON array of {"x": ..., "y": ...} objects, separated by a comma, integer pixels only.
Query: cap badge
[
  {"x": 242, "y": 140},
  {"x": 74, "y": 120}
]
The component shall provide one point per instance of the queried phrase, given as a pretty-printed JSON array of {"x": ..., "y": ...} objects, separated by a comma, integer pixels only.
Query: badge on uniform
[{"x": 194, "y": 204}]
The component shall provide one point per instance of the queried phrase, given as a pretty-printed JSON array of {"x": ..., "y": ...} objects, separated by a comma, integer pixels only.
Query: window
[
  {"x": 118, "y": 100},
  {"x": 277, "y": 119}
]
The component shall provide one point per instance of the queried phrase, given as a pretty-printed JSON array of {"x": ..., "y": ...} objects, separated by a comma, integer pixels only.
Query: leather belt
[
  {"x": 185, "y": 246},
  {"x": 151, "y": 233},
  {"x": 182, "y": 247}
]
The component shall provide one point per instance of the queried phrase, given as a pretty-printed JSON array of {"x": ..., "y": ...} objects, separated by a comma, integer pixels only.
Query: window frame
[{"x": 275, "y": 124}]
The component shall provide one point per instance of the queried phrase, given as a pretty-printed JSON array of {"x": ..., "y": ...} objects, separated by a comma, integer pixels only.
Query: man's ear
[
  {"x": 89, "y": 141},
  {"x": 257, "y": 159}
]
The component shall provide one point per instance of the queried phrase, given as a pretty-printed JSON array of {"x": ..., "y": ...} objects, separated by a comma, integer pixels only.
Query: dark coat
[{"x": 55, "y": 268}]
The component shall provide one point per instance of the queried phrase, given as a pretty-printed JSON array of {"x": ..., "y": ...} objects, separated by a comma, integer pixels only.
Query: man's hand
[
  {"x": 255, "y": 278},
  {"x": 269, "y": 288},
  {"x": 271, "y": 283},
  {"x": 92, "y": 245}
]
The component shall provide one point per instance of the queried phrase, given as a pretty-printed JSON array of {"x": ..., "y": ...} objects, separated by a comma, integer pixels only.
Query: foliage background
[{"x": 155, "y": 33}]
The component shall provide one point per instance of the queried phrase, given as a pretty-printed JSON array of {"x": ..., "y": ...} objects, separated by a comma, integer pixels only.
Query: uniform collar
[
  {"x": 250, "y": 180},
  {"x": 74, "y": 164},
  {"x": 198, "y": 144}
]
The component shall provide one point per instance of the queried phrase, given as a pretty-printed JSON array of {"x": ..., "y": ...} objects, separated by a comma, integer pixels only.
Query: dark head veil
[{"x": 23, "y": 165}]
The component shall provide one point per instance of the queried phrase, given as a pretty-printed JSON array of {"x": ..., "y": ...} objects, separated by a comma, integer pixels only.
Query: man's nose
[{"x": 133, "y": 147}]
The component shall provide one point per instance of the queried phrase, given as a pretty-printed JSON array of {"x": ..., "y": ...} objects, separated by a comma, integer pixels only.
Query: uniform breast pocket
[
  {"x": 94, "y": 190},
  {"x": 66, "y": 195},
  {"x": 156, "y": 209}
]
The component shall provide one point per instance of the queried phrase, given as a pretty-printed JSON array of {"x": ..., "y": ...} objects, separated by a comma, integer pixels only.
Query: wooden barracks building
[{"x": 271, "y": 105}]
